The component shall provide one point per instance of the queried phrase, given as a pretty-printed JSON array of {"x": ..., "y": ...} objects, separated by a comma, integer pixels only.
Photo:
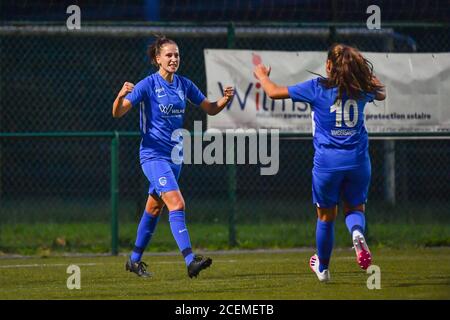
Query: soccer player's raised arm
[
  {"x": 213, "y": 108},
  {"x": 261, "y": 72},
  {"x": 122, "y": 105}
]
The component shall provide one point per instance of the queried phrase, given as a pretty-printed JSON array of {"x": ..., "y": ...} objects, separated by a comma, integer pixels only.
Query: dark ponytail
[{"x": 155, "y": 48}]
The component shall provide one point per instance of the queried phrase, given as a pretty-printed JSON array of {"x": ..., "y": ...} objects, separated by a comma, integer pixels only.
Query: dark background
[{"x": 207, "y": 10}]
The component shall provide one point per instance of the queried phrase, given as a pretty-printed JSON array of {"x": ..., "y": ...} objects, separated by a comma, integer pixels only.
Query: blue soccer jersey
[
  {"x": 340, "y": 136},
  {"x": 162, "y": 107}
]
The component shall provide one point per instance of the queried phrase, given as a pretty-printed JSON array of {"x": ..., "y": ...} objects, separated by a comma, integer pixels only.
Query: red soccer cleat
[{"x": 363, "y": 256}]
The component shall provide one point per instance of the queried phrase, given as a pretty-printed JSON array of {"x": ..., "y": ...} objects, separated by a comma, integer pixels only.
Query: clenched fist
[
  {"x": 228, "y": 93},
  {"x": 126, "y": 89}
]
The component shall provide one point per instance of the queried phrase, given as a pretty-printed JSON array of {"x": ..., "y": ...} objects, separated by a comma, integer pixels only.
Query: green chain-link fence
[{"x": 57, "y": 190}]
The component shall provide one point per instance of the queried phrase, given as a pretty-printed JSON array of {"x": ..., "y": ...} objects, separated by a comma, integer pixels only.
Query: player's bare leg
[
  {"x": 327, "y": 214},
  {"x": 154, "y": 205}
]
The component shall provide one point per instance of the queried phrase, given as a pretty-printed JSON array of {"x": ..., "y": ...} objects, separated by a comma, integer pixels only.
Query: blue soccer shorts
[
  {"x": 162, "y": 175},
  {"x": 352, "y": 184}
]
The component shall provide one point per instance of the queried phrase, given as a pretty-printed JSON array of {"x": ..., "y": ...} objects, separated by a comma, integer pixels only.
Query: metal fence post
[
  {"x": 389, "y": 171},
  {"x": 231, "y": 172},
  {"x": 231, "y": 168},
  {"x": 114, "y": 193},
  {"x": 230, "y": 35}
]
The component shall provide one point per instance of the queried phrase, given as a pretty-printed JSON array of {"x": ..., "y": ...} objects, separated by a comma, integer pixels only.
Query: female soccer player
[
  {"x": 162, "y": 100},
  {"x": 341, "y": 159}
]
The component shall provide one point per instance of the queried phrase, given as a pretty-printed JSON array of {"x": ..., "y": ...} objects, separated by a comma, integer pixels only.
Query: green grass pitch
[{"x": 412, "y": 273}]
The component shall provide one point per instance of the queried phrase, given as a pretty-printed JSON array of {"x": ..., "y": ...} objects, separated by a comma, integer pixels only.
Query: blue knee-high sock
[
  {"x": 145, "y": 231},
  {"x": 181, "y": 234},
  {"x": 355, "y": 220},
  {"x": 324, "y": 242}
]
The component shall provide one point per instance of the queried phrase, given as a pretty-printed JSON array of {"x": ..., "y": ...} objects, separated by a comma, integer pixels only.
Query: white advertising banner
[{"x": 417, "y": 87}]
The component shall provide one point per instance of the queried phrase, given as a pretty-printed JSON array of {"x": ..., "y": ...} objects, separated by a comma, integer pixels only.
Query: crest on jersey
[{"x": 181, "y": 94}]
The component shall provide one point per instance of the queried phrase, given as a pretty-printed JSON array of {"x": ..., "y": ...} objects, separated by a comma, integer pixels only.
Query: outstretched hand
[
  {"x": 261, "y": 71},
  {"x": 376, "y": 81}
]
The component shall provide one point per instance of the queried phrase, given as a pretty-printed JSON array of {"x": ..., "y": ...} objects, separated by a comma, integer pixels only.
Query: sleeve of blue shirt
[
  {"x": 138, "y": 94},
  {"x": 194, "y": 94},
  {"x": 303, "y": 91}
]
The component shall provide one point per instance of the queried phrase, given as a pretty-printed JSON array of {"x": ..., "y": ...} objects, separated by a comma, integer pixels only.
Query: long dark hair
[
  {"x": 350, "y": 72},
  {"x": 155, "y": 48}
]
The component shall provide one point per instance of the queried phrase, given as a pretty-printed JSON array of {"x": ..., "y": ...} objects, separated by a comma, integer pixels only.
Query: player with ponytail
[
  {"x": 162, "y": 99},
  {"x": 341, "y": 144}
]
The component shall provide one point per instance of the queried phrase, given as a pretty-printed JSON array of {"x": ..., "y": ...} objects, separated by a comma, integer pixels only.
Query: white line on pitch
[{"x": 45, "y": 265}]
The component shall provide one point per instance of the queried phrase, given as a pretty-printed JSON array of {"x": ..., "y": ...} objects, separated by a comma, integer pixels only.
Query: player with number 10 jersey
[{"x": 341, "y": 159}]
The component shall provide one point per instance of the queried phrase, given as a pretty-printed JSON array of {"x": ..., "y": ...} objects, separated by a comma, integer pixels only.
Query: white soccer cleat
[{"x": 323, "y": 276}]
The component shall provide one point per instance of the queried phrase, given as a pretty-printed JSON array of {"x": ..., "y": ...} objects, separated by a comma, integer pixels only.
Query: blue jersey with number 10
[{"x": 340, "y": 136}]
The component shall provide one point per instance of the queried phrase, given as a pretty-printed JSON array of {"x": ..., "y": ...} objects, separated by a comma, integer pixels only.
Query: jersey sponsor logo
[
  {"x": 162, "y": 181},
  {"x": 170, "y": 111},
  {"x": 160, "y": 92},
  {"x": 165, "y": 109}
]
